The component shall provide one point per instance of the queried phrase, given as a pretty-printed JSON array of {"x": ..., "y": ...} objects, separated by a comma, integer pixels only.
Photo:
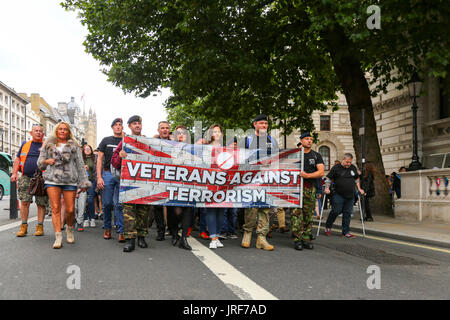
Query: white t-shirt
[{"x": 60, "y": 147}]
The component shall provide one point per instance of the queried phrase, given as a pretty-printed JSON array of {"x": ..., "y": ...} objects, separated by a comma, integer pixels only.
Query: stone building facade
[
  {"x": 394, "y": 118},
  {"x": 12, "y": 119},
  {"x": 89, "y": 122},
  {"x": 334, "y": 134}
]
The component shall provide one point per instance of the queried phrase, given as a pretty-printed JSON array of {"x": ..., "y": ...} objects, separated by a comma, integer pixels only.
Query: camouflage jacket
[{"x": 68, "y": 167}]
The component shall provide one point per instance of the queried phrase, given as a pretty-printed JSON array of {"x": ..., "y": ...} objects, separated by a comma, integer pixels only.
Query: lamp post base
[{"x": 415, "y": 165}]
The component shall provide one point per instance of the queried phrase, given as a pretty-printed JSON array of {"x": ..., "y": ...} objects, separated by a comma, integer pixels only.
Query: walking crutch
[
  {"x": 361, "y": 213},
  {"x": 321, "y": 212}
]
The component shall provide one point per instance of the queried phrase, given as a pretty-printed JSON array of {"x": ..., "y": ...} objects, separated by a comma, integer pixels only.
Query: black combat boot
[
  {"x": 175, "y": 237},
  {"x": 160, "y": 236},
  {"x": 307, "y": 245},
  {"x": 129, "y": 246},
  {"x": 184, "y": 244},
  {"x": 298, "y": 245},
  {"x": 142, "y": 243}
]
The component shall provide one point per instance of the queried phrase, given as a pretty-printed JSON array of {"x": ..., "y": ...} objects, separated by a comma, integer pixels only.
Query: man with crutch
[{"x": 344, "y": 176}]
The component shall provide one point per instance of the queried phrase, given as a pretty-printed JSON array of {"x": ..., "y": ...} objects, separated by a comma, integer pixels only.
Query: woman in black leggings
[{"x": 175, "y": 215}]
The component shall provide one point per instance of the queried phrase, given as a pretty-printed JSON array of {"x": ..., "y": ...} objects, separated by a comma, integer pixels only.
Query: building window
[
  {"x": 325, "y": 123},
  {"x": 325, "y": 153}
]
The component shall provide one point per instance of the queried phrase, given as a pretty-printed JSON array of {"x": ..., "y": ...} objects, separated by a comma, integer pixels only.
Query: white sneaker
[
  {"x": 219, "y": 244},
  {"x": 213, "y": 244},
  {"x": 92, "y": 223},
  {"x": 85, "y": 223}
]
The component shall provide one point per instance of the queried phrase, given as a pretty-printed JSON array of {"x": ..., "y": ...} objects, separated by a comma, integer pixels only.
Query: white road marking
[
  {"x": 405, "y": 243},
  {"x": 15, "y": 224},
  {"x": 238, "y": 283}
]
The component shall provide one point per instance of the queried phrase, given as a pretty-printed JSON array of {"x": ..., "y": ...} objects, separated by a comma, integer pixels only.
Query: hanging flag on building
[{"x": 165, "y": 172}]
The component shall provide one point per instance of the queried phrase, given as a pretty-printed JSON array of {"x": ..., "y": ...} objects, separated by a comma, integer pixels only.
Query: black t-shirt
[
  {"x": 107, "y": 146},
  {"x": 312, "y": 159},
  {"x": 344, "y": 180}
]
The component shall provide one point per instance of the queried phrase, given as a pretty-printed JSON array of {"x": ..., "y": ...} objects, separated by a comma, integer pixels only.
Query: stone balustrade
[
  {"x": 439, "y": 188},
  {"x": 425, "y": 196}
]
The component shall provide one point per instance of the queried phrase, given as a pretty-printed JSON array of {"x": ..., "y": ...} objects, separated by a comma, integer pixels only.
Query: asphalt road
[{"x": 337, "y": 268}]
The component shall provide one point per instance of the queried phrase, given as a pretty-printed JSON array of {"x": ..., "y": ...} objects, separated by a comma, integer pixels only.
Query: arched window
[{"x": 325, "y": 153}]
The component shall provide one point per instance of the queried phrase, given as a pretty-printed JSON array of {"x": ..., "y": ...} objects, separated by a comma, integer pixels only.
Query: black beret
[
  {"x": 260, "y": 118},
  {"x": 134, "y": 119},
  {"x": 116, "y": 120},
  {"x": 305, "y": 134}
]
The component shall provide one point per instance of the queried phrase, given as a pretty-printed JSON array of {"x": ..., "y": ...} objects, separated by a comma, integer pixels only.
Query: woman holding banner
[
  {"x": 175, "y": 215},
  {"x": 214, "y": 216}
]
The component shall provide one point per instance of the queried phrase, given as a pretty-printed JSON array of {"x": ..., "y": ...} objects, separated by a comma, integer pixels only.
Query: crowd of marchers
[{"x": 82, "y": 186}]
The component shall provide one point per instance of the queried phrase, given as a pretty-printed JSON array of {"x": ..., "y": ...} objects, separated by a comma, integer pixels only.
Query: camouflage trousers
[
  {"x": 302, "y": 218},
  {"x": 259, "y": 218},
  {"x": 280, "y": 214},
  {"x": 135, "y": 220}
]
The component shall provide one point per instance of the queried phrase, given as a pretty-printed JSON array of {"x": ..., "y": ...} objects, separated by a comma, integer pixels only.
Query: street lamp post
[{"x": 414, "y": 88}]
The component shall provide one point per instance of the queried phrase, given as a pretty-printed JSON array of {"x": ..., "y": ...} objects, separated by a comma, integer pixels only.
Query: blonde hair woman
[{"x": 62, "y": 161}]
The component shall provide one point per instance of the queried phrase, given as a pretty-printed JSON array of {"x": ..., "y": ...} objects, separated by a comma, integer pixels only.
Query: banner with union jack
[{"x": 170, "y": 173}]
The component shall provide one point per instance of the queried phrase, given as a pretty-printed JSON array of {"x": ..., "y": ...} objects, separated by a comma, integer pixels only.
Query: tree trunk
[{"x": 357, "y": 93}]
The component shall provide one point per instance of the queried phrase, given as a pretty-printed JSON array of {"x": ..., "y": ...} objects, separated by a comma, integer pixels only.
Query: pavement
[{"x": 425, "y": 232}]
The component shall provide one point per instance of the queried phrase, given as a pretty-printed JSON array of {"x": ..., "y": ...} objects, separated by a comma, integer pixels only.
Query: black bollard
[{"x": 13, "y": 201}]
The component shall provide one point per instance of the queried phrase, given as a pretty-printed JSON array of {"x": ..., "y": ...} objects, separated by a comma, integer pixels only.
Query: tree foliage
[
  {"x": 228, "y": 60},
  {"x": 239, "y": 58}
]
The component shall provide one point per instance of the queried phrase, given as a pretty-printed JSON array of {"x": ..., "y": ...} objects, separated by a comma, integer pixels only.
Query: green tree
[{"x": 226, "y": 61}]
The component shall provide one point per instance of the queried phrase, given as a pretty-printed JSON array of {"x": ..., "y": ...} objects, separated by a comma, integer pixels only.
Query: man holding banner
[
  {"x": 135, "y": 215},
  {"x": 259, "y": 217},
  {"x": 163, "y": 133},
  {"x": 302, "y": 218}
]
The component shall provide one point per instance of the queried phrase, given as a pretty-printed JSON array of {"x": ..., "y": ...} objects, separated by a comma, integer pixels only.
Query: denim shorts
[{"x": 62, "y": 187}]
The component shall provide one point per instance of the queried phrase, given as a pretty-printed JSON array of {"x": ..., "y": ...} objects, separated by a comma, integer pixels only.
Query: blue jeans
[
  {"x": 229, "y": 220},
  {"x": 340, "y": 205},
  {"x": 202, "y": 219},
  {"x": 214, "y": 220},
  {"x": 64, "y": 187},
  {"x": 110, "y": 201},
  {"x": 90, "y": 212}
]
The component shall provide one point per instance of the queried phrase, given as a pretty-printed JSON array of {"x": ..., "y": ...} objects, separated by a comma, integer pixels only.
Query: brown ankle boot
[
  {"x": 39, "y": 230},
  {"x": 246, "y": 239},
  {"x": 23, "y": 230},
  {"x": 107, "y": 234},
  {"x": 261, "y": 243}
]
